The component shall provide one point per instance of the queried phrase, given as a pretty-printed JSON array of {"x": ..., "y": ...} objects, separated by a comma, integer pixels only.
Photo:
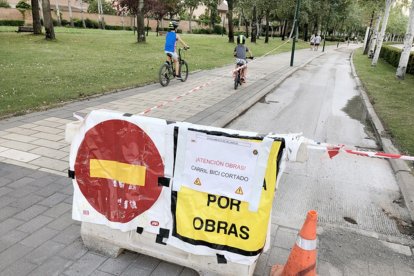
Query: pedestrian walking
[
  {"x": 312, "y": 42},
  {"x": 317, "y": 42}
]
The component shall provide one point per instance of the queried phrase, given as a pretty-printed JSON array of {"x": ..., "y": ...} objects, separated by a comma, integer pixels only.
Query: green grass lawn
[
  {"x": 393, "y": 99},
  {"x": 37, "y": 74}
]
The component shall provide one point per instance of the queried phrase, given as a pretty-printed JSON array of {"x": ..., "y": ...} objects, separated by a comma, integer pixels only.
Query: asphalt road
[{"x": 357, "y": 198}]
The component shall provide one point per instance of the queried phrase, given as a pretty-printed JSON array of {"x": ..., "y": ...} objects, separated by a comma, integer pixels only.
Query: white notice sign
[{"x": 221, "y": 165}]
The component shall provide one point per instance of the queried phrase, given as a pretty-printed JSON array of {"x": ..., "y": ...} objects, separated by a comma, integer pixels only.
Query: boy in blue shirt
[{"x": 171, "y": 43}]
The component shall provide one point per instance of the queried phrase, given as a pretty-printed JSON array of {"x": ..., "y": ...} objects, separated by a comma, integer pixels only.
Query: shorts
[
  {"x": 241, "y": 61},
  {"x": 173, "y": 55}
]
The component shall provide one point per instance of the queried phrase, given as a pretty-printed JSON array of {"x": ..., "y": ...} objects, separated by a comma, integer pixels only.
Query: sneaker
[
  {"x": 243, "y": 80},
  {"x": 179, "y": 78}
]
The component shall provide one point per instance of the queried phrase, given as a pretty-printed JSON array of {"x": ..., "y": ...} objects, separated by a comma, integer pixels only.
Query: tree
[
  {"x": 156, "y": 9},
  {"x": 37, "y": 27},
  {"x": 408, "y": 41},
  {"x": 212, "y": 7},
  {"x": 254, "y": 25},
  {"x": 174, "y": 7},
  {"x": 374, "y": 36},
  {"x": 244, "y": 7},
  {"x": 58, "y": 14},
  {"x": 140, "y": 22},
  {"x": 70, "y": 14},
  {"x": 47, "y": 20},
  {"x": 82, "y": 18},
  {"x": 266, "y": 7},
  {"x": 388, "y": 4},
  {"x": 192, "y": 5},
  {"x": 285, "y": 13},
  {"x": 4, "y": 4},
  {"x": 230, "y": 4},
  {"x": 106, "y": 7},
  {"x": 397, "y": 22},
  {"x": 22, "y": 7}
]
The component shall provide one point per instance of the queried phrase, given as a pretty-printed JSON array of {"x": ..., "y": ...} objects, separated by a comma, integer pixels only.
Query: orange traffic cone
[{"x": 302, "y": 258}]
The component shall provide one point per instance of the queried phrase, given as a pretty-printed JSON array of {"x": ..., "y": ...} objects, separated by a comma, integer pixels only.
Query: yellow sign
[
  {"x": 122, "y": 172},
  {"x": 239, "y": 191},
  {"x": 197, "y": 182},
  {"x": 225, "y": 223}
]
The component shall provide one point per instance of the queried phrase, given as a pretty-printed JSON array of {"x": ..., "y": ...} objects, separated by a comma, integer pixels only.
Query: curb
[{"x": 402, "y": 171}]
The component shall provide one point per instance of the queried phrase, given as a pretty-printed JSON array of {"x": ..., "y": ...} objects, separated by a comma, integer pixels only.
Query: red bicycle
[{"x": 239, "y": 72}]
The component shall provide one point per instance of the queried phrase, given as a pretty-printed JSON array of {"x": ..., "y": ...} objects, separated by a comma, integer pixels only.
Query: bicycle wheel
[
  {"x": 184, "y": 70},
  {"x": 164, "y": 74},
  {"x": 237, "y": 80}
]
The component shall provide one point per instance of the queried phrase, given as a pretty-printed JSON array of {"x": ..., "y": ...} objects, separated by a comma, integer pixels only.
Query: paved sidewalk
[{"x": 37, "y": 234}]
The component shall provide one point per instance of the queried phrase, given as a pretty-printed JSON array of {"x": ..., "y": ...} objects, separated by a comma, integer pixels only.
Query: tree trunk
[
  {"x": 306, "y": 32},
  {"x": 254, "y": 25},
  {"x": 374, "y": 37},
  {"x": 81, "y": 10},
  {"x": 37, "y": 26},
  {"x": 388, "y": 4},
  {"x": 408, "y": 41},
  {"x": 101, "y": 18},
  {"x": 213, "y": 14},
  {"x": 70, "y": 14},
  {"x": 47, "y": 20},
  {"x": 140, "y": 23},
  {"x": 98, "y": 3},
  {"x": 190, "y": 30},
  {"x": 230, "y": 20},
  {"x": 133, "y": 23},
  {"x": 369, "y": 34},
  {"x": 147, "y": 25},
  {"x": 284, "y": 29},
  {"x": 59, "y": 19},
  {"x": 267, "y": 26},
  {"x": 246, "y": 25},
  {"x": 42, "y": 21}
]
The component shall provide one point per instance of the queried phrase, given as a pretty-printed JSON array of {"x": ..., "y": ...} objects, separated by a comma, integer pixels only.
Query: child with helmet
[
  {"x": 240, "y": 54},
  {"x": 171, "y": 43}
]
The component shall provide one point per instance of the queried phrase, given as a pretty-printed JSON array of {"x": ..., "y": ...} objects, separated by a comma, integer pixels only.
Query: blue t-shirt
[{"x": 170, "y": 41}]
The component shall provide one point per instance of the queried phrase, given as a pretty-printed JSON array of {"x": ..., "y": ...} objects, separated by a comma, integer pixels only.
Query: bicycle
[
  {"x": 237, "y": 77},
  {"x": 167, "y": 69}
]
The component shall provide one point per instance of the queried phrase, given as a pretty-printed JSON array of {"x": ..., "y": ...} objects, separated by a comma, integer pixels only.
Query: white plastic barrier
[{"x": 211, "y": 214}]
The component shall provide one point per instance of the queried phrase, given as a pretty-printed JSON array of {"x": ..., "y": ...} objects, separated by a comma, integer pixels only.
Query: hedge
[
  {"x": 217, "y": 30},
  {"x": 11, "y": 22},
  {"x": 335, "y": 38},
  {"x": 392, "y": 56},
  {"x": 4, "y": 4}
]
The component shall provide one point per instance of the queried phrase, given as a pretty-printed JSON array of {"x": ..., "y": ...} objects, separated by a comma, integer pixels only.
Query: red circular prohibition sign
[{"x": 121, "y": 141}]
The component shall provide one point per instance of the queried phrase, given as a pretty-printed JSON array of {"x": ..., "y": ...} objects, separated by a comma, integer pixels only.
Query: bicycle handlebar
[{"x": 247, "y": 57}]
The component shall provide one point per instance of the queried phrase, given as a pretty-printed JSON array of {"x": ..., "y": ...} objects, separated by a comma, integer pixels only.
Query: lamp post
[
  {"x": 296, "y": 30},
  {"x": 326, "y": 29}
]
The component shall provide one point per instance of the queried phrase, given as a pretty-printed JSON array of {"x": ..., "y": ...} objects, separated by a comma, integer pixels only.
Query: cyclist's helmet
[
  {"x": 241, "y": 39},
  {"x": 173, "y": 25}
]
